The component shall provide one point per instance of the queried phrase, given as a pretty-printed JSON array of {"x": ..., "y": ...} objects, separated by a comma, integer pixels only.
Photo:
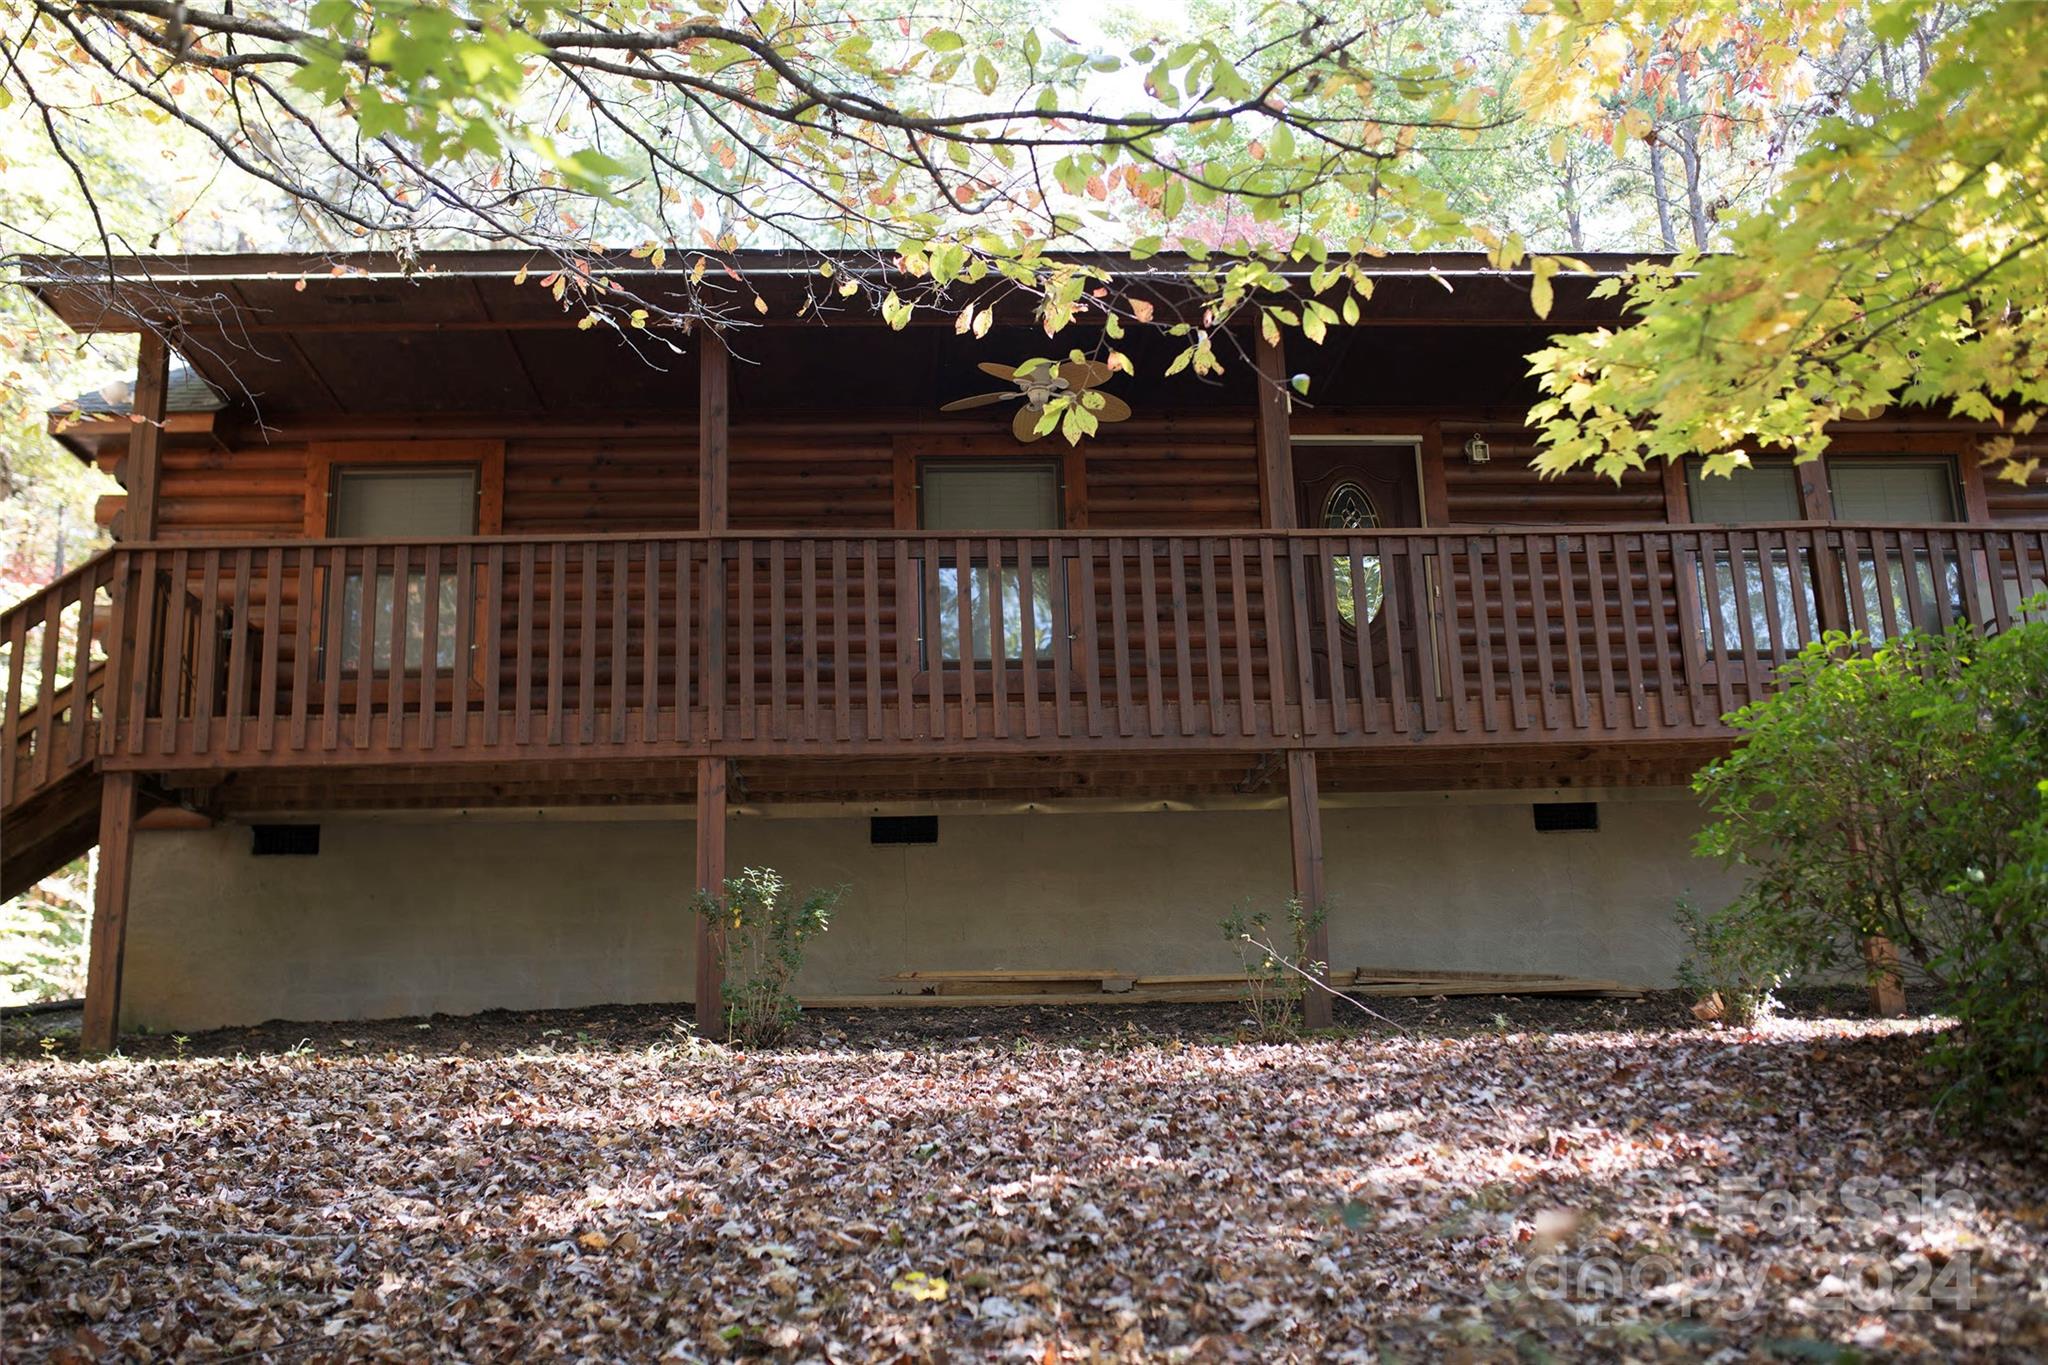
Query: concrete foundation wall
[{"x": 456, "y": 916}]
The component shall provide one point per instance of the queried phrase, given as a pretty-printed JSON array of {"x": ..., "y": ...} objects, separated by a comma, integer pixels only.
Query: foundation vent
[
  {"x": 1556, "y": 817},
  {"x": 903, "y": 829},
  {"x": 284, "y": 841}
]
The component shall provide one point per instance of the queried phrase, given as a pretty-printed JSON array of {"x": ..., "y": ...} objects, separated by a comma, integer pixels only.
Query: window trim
[
  {"x": 1894, "y": 458},
  {"x": 325, "y": 458}
]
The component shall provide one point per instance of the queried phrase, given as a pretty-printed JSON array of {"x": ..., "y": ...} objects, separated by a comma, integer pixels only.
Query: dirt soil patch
[{"x": 1533, "y": 1179}]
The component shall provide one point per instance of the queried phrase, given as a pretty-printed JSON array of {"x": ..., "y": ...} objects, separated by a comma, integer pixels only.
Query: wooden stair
[{"x": 50, "y": 685}]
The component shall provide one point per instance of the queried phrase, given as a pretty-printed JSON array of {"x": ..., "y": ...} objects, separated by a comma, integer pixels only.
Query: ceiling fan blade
[
  {"x": 1024, "y": 426},
  {"x": 1085, "y": 374},
  {"x": 1004, "y": 372},
  {"x": 1113, "y": 409},
  {"x": 979, "y": 400}
]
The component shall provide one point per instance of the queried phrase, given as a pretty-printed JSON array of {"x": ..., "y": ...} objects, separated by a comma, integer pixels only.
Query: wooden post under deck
[
  {"x": 714, "y": 460},
  {"x": 1305, "y": 836},
  {"x": 141, "y": 470},
  {"x": 102, "y": 1027},
  {"x": 710, "y": 881}
]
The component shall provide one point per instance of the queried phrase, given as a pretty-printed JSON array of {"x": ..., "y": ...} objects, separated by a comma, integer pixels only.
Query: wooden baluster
[
  {"x": 937, "y": 723},
  {"x": 650, "y": 642},
  {"x": 1603, "y": 641},
  {"x": 909, "y": 632},
  {"x": 998, "y": 647},
  {"x": 586, "y": 685},
  {"x": 842, "y": 670},
  {"x": 1183, "y": 644},
  {"x": 82, "y": 691},
  {"x": 171, "y": 708},
  {"x": 430, "y": 646},
  {"x": 1631, "y": 635},
  {"x": 1767, "y": 577},
  {"x": 10, "y": 728},
  {"x": 522, "y": 663},
  {"x": 1660, "y": 623},
  {"x": 558, "y": 627},
  {"x": 746, "y": 645},
  {"x": 963, "y": 604},
  {"x": 139, "y": 623},
  {"x": 1574, "y": 634},
  {"x": 1942, "y": 548},
  {"x": 622, "y": 636},
  {"x": 238, "y": 653},
  {"x": 808, "y": 566},
  {"x": 1240, "y": 615},
  {"x": 1445, "y": 611},
  {"x": 1274, "y": 607},
  {"x": 1922, "y": 595},
  {"x": 777, "y": 641},
  {"x": 331, "y": 565},
  {"x": 1320, "y": 563},
  {"x": 1151, "y": 651},
  {"x": 493, "y": 642},
  {"x": 1212, "y": 634},
  {"x": 394, "y": 674},
  {"x": 1802, "y": 556},
  {"x": 1482, "y": 635},
  {"x": 1851, "y": 560},
  {"x": 1692, "y": 642},
  {"x": 1539, "y": 604},
  {"x": 1027, "y": 630},
  {"x": 461, "y": 673},
  {"x": 1426, "y": 623},
  {"x": 1120, "y": 639},
  {"x": 873, "y": 663},
  {"x": 1745, "y": 619},
  {"x": 46, "y": 686},
  {"x": 1302, "y": 572},
  {"x": 686, "y": 619},
  {"x": 366, "y": 646},
  {"x": 1362, "y": 618},
  {"x": 1062, "y": 637},
  {"x": 1714, "y": 563},
  {"x": 1091, "y": 668},
  {"x": 1887, "y": 604},
  {"x": 267, "y": 680},
  {"x": 206, "y": 654},
  {"x": 714, "y": 611},
  {"x": 1511, "y": 632},
  {"x": 1994, "y": 561}
]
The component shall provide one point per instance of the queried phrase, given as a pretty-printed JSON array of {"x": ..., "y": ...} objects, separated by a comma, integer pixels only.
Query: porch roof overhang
[{"x": 333, "y": 336}]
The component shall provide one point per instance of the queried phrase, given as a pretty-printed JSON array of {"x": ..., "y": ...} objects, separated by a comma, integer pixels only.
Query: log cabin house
[{"x": 447, "y": 647}]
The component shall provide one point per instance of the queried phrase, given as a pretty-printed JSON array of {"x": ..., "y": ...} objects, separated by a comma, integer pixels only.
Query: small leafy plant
[
  {"x": 763, "y": 949},
  {"x": 1274, "y": 981}
]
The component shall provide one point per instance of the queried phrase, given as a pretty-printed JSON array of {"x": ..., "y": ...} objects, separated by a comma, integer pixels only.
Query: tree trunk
[{"x": 1661, "y": 193}]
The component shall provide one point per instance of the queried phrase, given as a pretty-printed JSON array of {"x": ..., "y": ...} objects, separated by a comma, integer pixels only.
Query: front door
[{"x": 1365, "y": 486}]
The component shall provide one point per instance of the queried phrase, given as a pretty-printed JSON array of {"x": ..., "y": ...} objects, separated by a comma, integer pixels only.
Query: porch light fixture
[{"x": 1476, "y": 449}]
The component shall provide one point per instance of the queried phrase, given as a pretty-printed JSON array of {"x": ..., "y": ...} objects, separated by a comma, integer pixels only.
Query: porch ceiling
[{"x": 454, "y": 332}]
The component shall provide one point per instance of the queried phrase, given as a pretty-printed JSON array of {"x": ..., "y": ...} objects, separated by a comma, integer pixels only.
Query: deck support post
[
  {"x": 102, "y": 1026},
  {"x": 1305, "y": 837},
  {"x": 1887, "y": 986},
  {"x": 710, "y": 990},
  {"x": 141, "y": 470}
]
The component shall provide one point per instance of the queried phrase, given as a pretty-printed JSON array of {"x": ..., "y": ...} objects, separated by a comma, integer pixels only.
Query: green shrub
[
  {"x": 764, "y": 936},
  {"x": 1274, "y": 983},
  {"x": 1895, "y": 796}
]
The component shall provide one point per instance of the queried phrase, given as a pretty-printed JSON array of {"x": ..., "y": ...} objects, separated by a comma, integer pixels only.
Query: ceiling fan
[{"x": 1037, "y": 386}]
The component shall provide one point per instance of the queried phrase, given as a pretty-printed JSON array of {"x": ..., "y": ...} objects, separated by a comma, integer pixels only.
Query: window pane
[
  {"x": 980, "y": 598},
  {"x": 1760, "y": 493},
  {"x": 1892, "y": 489},
  {"x": 1770, "y": 581},
  {"x": 397, "y": 505},
  {"x": 415, "y": 622},
  {"x": 994, "y": 495}
]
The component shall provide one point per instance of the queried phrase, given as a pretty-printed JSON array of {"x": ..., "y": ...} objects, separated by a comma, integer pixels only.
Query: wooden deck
[{"x": 599, "y": 649}]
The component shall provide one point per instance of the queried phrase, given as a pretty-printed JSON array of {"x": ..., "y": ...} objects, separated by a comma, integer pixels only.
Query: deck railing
[{"x": 519, "y": 648}]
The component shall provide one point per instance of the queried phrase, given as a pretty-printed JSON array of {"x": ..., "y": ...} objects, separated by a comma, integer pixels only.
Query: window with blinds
[
  {"x": 986, "y": 496},
  {"x": 1760, "y": 493},
  {"x": 1884, "y": 489},
  {"x": 401, "y": 504}
]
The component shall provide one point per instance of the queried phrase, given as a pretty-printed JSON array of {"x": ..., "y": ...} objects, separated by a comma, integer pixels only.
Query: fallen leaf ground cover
[{"x": 1567, "y": 1180}]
